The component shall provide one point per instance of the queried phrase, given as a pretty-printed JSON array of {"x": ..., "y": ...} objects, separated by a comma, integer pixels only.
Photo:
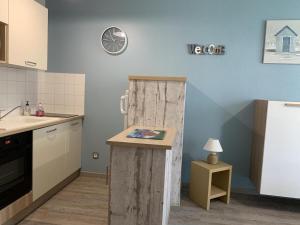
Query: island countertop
[{"x": 121, "y": 139}]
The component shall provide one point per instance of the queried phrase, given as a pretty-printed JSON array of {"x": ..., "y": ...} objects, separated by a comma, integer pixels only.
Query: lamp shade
[{"x": 213, "y": 145}]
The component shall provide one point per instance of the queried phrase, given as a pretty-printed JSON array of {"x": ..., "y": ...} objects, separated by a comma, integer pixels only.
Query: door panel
[
  {"x": 286, "y": 44},
  {"x": 280, "y": 170},
  {"x": 20, "y": 32}
]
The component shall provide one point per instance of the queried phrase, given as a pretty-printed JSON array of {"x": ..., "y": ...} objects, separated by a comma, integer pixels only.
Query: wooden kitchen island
[{"x": 140, "y": 179}]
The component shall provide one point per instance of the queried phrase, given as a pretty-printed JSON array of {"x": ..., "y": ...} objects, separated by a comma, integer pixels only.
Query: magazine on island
[{"x": 147, "y": 134}]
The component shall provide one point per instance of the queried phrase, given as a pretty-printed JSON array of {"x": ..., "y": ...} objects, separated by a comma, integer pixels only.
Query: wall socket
[{"x": 95, "y": 155}]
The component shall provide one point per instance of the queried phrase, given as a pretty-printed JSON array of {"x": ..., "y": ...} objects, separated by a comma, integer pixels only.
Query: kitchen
[
  {"x": 42, "y": 117},
  {"x": 73, "y": 152},
  {"x": 41, "y": 114}
]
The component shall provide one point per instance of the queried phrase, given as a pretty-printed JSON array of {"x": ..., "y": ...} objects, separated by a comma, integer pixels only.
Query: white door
[
  {"x": 21, "y": 33},
  {"x": 40, "y": 50},
  {"x": 281, "y": 160}
]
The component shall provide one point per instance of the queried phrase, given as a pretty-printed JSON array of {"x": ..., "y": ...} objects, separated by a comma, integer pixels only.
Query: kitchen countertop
[
  {"x": 18, "y": 124},
  {"x": 122, "y": 140}
]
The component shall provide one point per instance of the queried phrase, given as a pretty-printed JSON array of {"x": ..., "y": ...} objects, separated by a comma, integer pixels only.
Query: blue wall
[{"x": 221, "y": 89}]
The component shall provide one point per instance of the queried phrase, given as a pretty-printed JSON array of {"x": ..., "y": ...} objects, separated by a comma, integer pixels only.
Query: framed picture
[{"x": 282, "y": 42}]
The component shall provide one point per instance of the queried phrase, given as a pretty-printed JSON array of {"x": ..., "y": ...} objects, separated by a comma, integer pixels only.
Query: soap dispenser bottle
[
  {"x": 27, "y": 110},
  {"x": 40, "y": 110}
]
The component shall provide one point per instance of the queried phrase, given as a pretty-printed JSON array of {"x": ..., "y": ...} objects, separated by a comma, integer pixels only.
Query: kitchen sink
[
  {"x": 23, "y": 119},
  {"x": 32, "y": 119},
  {"x": 19, "y": 122},
  {"x": 16, "y": 122}
]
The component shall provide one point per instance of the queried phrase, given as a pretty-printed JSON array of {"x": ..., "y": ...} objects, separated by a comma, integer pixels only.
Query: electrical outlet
[{"x": 95, "y": 155}]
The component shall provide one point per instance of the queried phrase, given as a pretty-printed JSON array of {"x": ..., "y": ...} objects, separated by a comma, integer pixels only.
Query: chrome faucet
[
  {"x": 1, "y": 110},
  {"x": 10, "y": 111}
]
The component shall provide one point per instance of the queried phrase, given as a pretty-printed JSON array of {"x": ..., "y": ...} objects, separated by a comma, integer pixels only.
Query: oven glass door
[
  {"x": 11, "y": 174},
  {"x": 15, "y": 168}
]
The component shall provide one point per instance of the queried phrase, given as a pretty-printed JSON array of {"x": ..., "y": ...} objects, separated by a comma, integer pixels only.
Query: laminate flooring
[
  {"x": 242, "y": 210},
  {"x": 84, "y": 202}
]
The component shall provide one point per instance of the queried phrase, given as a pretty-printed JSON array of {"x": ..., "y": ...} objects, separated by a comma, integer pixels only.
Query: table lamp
[{"x": 213, "y": 146}]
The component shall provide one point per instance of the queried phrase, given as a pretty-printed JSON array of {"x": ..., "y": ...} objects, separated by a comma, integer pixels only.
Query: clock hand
[{"x": 111, "y": 36}]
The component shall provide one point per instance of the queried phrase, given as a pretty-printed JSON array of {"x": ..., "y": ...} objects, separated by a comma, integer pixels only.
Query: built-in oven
[
  {"x": 15, "y": 167},
  {"x": 3, "y": 42}
]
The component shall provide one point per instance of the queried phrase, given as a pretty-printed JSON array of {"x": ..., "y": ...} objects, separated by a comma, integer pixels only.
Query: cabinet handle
[
  {"x": 30, "y": 63},
  {"x": 50, "y": 131},
  {"x": 292, "y": 104},
  {"x": 74, "y": 124}
]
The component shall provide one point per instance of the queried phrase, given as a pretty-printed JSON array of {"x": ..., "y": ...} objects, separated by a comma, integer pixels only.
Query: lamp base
[{"x": 212, "y": 158}]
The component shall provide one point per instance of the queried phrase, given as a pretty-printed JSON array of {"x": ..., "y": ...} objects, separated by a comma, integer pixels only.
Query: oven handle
[
  {"x": 14, "y": 181},
  {"x": 10, "y": 154},
  {"x": 6, "y": 175}
]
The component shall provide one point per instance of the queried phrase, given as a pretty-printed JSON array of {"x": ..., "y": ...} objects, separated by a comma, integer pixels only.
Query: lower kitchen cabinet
[
  {"x": 56, "y": 155},
  {"x": 73, "y": 148},
  {"x": 48, "y": 158}
]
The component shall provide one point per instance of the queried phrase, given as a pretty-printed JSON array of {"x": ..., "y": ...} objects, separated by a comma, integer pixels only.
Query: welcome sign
[{"x": 211, "y": 49}]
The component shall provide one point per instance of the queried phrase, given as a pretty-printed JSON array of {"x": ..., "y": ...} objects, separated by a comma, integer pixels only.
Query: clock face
[{"x": 114, "y": 40}]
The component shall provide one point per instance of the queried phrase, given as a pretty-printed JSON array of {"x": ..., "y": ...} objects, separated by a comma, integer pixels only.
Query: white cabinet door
[
  {"x": 280, "y": 170},
  {"x": 49, "y": 150},
  {"x": 4, "y": 11},
  {"x": 74, "y": 145},
  {"x": 40, "y": 50},
  {"x": 28, "y": 34}
]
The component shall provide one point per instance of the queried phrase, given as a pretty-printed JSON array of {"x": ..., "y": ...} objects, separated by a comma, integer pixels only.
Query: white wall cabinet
[
  {"x": 28, "y": 34},
  {"x": 4, "y": 11},
  {"x": 276, "y": 148},
  {"x": 56, "y": 155}
]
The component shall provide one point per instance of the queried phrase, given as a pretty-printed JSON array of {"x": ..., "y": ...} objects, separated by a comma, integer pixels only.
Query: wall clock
[{"x": 114, "y": 40}]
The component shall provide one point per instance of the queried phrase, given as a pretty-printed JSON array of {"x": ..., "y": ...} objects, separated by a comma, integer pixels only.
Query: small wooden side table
[{"x": 210, "y": 181}]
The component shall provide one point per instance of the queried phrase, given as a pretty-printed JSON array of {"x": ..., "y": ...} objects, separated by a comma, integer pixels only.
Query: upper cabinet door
[
  {"x": 40, "y": 38},
  {"x": 4, "y": 11},
  {"x": 28, "y": 34}
]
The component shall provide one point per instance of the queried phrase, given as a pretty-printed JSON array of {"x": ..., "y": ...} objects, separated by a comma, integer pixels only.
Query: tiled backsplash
[
  {"x": 59, "y": 93},
  {"x": 62, "y": 93},
  {"x": 16, "y": 86}
]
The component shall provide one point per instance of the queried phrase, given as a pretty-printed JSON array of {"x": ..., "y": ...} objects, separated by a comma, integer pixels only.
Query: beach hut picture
[
  {"x": 286, "y": 40},
  {"x": 282, "y": 43}
]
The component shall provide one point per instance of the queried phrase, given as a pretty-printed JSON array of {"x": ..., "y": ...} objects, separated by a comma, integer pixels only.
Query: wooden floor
[
  {"x": 84, "y": 202},
  {"x": 242, "y": 210}
]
